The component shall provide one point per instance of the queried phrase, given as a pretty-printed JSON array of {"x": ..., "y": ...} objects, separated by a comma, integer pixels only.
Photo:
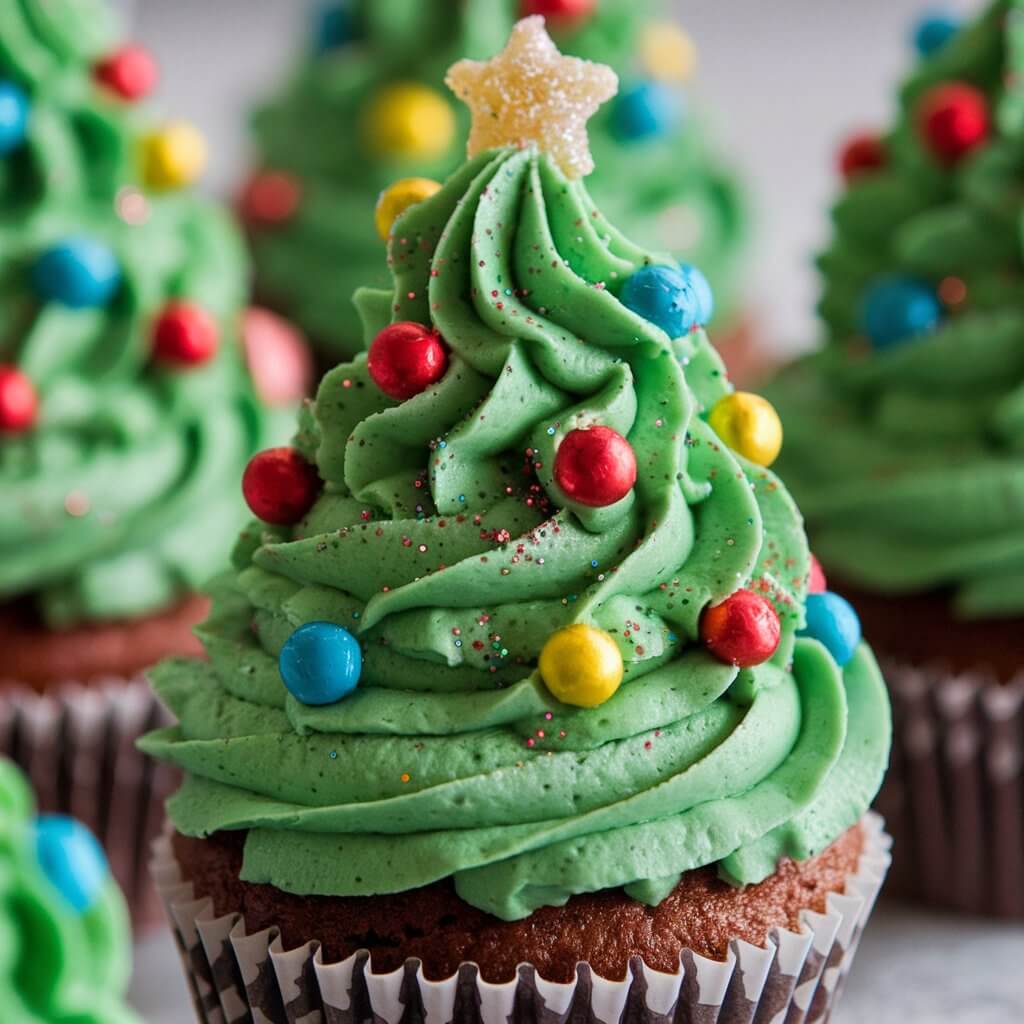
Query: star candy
[{"x": 531, "y": 95}]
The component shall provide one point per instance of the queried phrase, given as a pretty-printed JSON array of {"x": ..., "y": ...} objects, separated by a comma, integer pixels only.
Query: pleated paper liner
[
  {"x": 954, "y": 794},
  {"x": 76, "y": 744},
  {"x": 795, "y": 978}
]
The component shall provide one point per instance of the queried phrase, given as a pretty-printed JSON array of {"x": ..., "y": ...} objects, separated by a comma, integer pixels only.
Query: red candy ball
[
  {"x": 277, "y": 356},
  {"x": 280, "y": 486},
  {"x": 817, "y": 584},
  {"x": 595, "y": 466},
  {"x": 862, "y": 154},
  {"x": 130, "y": 72},
  {"x": 269, "y": 198},
  {"x": 743, "y": 630},
  {"x": 185, "y": 335},
  {"x": 406, "y": 358},
  {"x": 953, "y": 119},
  {"x": 18, "y": 401},
  {"x": 559, "y": 9}
]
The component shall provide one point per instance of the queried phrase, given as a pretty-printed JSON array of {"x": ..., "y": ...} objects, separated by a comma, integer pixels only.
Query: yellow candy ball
[
  {"x": 397, "y": 198},
  {"x": 581, "y": 665},
  {"x": 173, "y": 156},
  {"x": 749, "y": 425},
  {"x": 410, "y": 121},
  {"x": 668, "y": 53}
]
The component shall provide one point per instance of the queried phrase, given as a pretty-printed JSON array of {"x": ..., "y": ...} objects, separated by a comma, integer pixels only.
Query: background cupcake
[
  {"x": 128, "y": 404},
  {"x": 904, "y": 448},
  {"x": 368, "y": 107},
  {"x": 64, "y": 931},
  {"x": 508, "y": 671}
]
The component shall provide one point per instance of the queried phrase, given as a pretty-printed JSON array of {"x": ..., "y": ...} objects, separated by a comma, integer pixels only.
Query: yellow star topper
[{"x": 532, "y": 95}]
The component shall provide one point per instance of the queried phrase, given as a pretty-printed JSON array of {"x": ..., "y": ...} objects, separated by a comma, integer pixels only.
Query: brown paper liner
[
  {"x": 76, "y": 744},
  {"x": 954, "y": 794},
  {"x": 795, "y": 978}
]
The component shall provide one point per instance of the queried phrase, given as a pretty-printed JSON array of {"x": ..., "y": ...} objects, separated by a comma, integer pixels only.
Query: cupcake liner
[
  {"x": 76, "y": 744},
  {"x": 794, "y": 979},
  {"x": 954, "y": 795}
]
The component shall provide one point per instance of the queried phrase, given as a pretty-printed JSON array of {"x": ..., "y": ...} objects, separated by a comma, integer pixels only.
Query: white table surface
[{"x": 912, "y": 968}]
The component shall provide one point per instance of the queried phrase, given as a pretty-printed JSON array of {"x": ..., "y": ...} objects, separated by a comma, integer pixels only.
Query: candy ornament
[
  {"x": 270, "y": 198},
  {"x": 130, "y": 72},
  {"x": 406, "y": 358},
  {"x": 667, "y": 297},
  {"x": 581, "y": 665},
  {"x": 185, "y": 335},
  {"x": 933, "y": 31},
  {"x": 559, "y": 10},
  {"x": 953, "y": 119},
  {"x": 278, "y": 358},
  {"x": 816, "y": 581},
  {"x": 320, "y": 663},
  {"x": 862, "y": 154},
  {"x": 595, "y": 466},
  {"x": 667, "y": 53},
  {"x": 897, "y": 309},
  {"x": 18, "y": 401},
  {"x": 397, "y": 198},
  {"x": 749, "y": 425},
  {"x": 832, "y": 620},
  {"x": 72, "y": 859},
  {"x": 280, "y": 486},
  {"x": 335, "y": 26},
  {"x": 14, "y": 109},
  {"x": 80, "y": 273},
  {"x": 648, "y": 110},
  {"x": 703, "y": 296},
  {"x": 743, "y": 630},
  {"x": 409, "y": 121},
  {"x": 173, "y": 157}
]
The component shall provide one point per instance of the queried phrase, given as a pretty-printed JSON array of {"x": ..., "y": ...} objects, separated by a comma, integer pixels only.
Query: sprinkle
[
  {"x": 531, "y": 742},
  {"x": 405, "y": 776},
  {"x": 548, "y": 715},
  {"x": 334, "y": 755},
  {"x": 77, "y": 504}
]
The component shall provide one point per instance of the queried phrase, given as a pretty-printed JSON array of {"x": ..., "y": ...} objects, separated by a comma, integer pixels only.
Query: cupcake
[
  {"x": 511, "y": 697},
  {"x": 63, "y": 923},
  {"x": 905, "y": 435},
  {"x": 367, "y": 106},
  {"x": 129, "y": 403}
]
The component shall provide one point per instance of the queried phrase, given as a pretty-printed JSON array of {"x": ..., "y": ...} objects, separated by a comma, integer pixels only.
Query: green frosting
[
  {"x": 909, "y": 461},
  {"x": 124, "y": 495},
  {"x": 443, "y": 542},
  {"x": 57, "y": 966},
  {"x": 679, "y": 193}
]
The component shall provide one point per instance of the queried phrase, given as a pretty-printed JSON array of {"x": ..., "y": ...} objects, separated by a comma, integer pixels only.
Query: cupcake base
[{"x": 240, "y": 972}]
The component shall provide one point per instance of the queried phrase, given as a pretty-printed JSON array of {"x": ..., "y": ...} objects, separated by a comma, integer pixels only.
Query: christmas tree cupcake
[
  {"x": 131, "y": 380},
  {"x": 368, "y": 108},
  {"x": 518, "y": 665},
  {"x": 64, "y": 939},
  {"x": 905, "y": 447}
]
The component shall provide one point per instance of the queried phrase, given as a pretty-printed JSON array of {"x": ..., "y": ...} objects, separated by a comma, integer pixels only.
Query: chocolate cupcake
[
  {"x": 904, "y": 449},
  {"x": 127, "y": 411},
  {"x": 512, "y": 694}
]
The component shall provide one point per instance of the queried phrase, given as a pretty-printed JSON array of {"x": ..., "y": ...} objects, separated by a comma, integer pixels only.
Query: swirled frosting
[
  {"x": 56, "y": 964},
  {"x": 679, "y": 193},
  {"x": 124, "y": 495},
  {"x": 441, "y": 542},
  {"x": 909, "y": 462}
]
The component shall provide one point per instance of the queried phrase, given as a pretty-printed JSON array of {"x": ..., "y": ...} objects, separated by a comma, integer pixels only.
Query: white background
[{"x": 786, "y": 80}]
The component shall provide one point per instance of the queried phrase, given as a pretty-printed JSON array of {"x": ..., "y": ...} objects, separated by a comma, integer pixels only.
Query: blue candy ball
[
  {"x": 71, "y": 859},
  {"x": 933, "y": 31},
  {"x": 832, "y": 620},
  {"x": 666, "y": 297},
  {"x": 78, "y": 272},
  {"x": 13, "y": 117},
  {"x": 320, "y": 663},
  {"x": 645, "y": 111},
  {"x": 897, "y": 309},
  {"x": 703, "y": 295},
  {"x": 335, "y": 26}
]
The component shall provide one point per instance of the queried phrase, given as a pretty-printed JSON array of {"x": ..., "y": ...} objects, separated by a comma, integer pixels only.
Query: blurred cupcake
[
  {"x": 127, "y": 408},
  {"x": 367, "y": 107},
  {"x": 513, "y": 698},
  {"x": 905, "y": 449},
  {"x": 64, "y": 932}
]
